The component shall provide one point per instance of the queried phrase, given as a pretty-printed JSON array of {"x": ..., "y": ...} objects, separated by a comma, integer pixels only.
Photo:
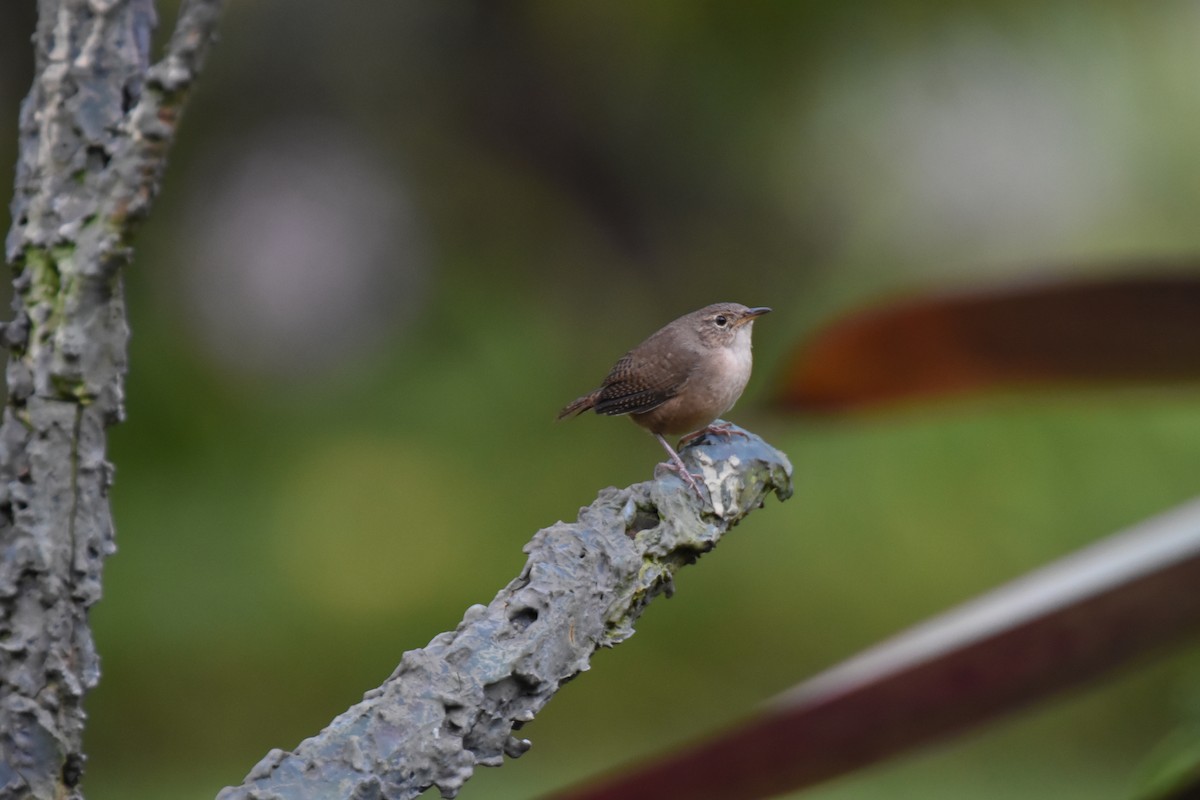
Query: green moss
[
  {"x": 45, "y": 298},
  {"x": 70, "y": 387},
  {"x": 44, "y": 277}
]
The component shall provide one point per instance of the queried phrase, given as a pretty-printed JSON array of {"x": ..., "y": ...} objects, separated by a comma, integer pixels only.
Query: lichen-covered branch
[
  {"x": 455, "y": 704},
  {"x": 94, "y": 131}
]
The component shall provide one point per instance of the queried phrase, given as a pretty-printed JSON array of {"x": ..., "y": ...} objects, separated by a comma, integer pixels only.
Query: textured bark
[
  {"x": 94, "y": 131},
  {"x": 456, "y": 703}
]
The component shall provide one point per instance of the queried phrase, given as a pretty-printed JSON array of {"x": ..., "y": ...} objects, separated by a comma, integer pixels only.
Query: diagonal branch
[
  {"x": 94, "y": 134},
  {"x": 456, "y": 703},
  {"x": 1056, "y": 627}
]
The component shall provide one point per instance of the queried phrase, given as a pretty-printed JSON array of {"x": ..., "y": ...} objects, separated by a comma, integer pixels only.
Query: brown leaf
[{"x": 1119, "y": 330}]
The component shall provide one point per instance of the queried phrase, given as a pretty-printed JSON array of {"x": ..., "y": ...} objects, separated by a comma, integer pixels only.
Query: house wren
[{"x": 682, "y": 378}]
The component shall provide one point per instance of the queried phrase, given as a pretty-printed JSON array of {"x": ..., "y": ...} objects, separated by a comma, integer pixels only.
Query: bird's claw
[
  {"x": 722, "y": 428},
  {"x": 676, "y": 465},
  {"x": 682, "y": 471}
]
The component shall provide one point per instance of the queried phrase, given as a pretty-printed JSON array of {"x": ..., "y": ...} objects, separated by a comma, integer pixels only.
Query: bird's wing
[{"x": 638, "y": 384}]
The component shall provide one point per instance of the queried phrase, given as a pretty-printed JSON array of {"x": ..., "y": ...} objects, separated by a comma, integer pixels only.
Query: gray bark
[
  {"x": 456, "y": 703},
  {"x": 94, "y": 132}
]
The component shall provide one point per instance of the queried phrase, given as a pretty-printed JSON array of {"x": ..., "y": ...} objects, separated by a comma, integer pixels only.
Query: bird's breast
[{"x": 730, "y": 374}]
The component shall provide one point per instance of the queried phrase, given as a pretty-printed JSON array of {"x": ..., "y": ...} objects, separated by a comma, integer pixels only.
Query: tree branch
[
  {"x": 456, "y": 703},
  {"x": 94, "y": 133}
]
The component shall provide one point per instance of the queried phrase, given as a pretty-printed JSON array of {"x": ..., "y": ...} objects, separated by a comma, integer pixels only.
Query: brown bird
[{"x": 682, "y": 378}]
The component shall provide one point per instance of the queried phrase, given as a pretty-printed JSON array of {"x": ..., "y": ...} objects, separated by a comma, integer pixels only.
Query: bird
[{"x": 681, "y": 378}]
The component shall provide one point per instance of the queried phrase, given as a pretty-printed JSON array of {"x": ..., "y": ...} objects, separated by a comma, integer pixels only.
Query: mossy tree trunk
[{"x": 94, "y": 132}]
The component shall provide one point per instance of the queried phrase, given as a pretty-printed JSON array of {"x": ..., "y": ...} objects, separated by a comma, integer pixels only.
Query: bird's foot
[
  {"x": 677, "y": 466},
  {"x": 688, "y": 478},
  {"x": 721, "y": 428}
]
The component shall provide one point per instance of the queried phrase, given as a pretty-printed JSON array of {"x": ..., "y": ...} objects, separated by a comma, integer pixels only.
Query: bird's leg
[
  {"x": 678, "y": 465},
  {"x": 721, "y": 428}
]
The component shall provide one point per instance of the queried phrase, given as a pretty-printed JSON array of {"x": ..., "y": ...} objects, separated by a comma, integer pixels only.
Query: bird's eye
[{"x": 721, "y": 321}]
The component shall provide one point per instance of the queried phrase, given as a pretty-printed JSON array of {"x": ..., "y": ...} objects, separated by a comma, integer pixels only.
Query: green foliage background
[{"x": 578, "y": 174}]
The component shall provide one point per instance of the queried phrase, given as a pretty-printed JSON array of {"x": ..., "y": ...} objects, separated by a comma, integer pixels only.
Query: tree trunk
[{"x": 95, "y": 130}]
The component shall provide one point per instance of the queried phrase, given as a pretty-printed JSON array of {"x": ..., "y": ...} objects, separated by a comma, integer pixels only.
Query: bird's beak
[{"x": 752, "y": 313}]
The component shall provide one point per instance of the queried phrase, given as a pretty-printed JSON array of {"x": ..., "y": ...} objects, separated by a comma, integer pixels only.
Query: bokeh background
[{"x": 395, "y": 237}]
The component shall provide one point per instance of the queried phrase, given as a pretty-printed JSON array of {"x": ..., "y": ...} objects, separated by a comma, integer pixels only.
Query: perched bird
[{"x": 682, "y": 378}]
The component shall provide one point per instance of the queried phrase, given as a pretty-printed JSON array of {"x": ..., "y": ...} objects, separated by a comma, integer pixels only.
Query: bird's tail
[{"x": 579, "y": 405}]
